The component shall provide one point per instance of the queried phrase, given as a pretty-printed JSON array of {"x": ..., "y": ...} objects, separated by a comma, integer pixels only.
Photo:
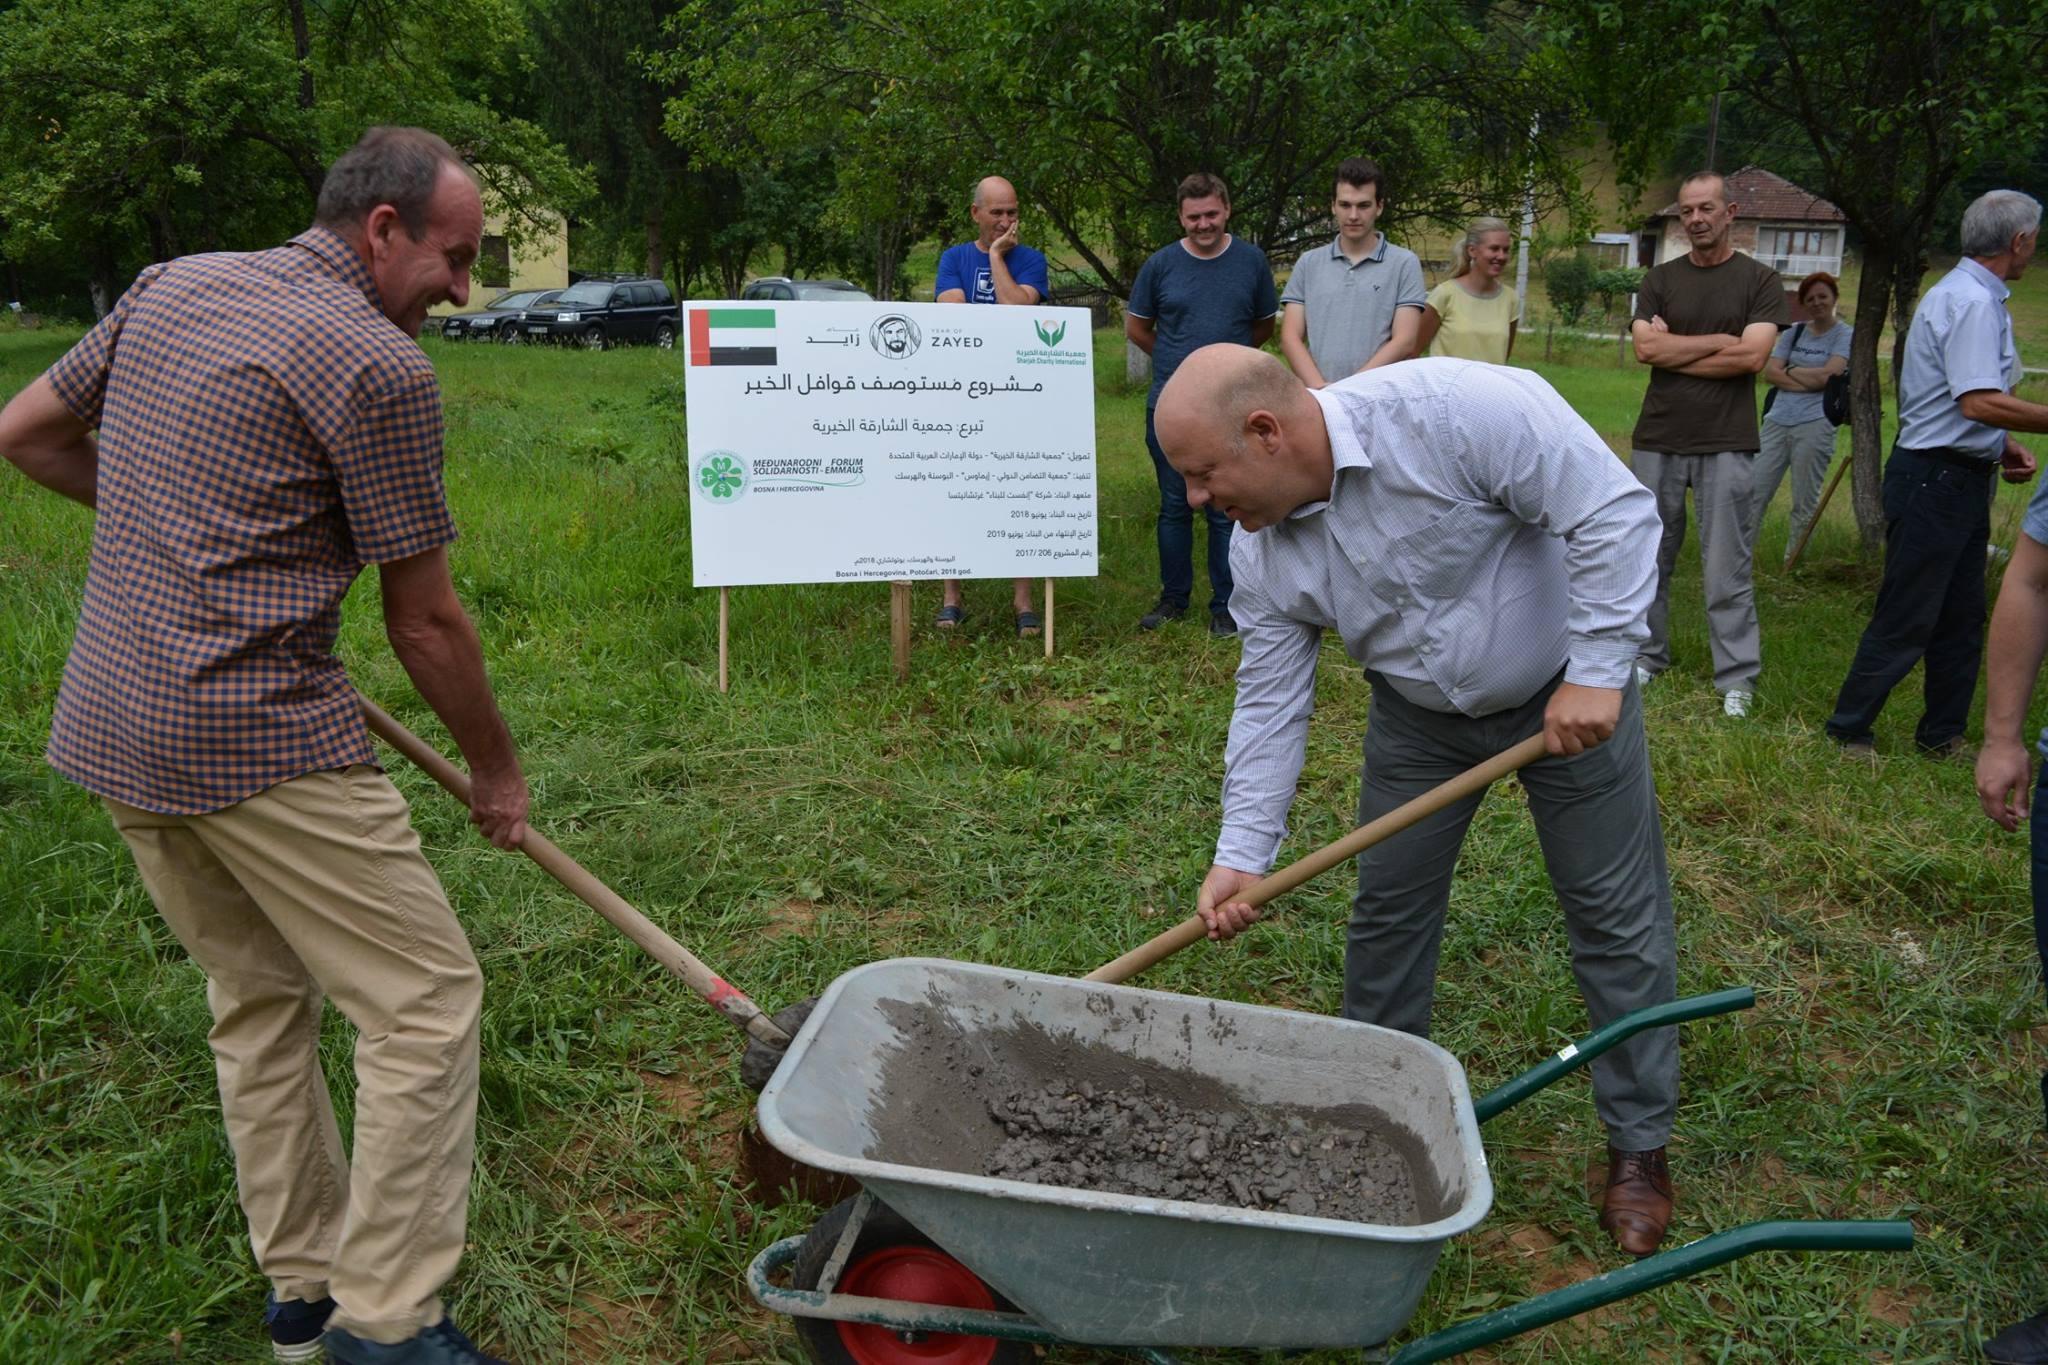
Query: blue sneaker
[
  {"x": 441, "y": 1344},
  {"x": 295, "y": 1327}
]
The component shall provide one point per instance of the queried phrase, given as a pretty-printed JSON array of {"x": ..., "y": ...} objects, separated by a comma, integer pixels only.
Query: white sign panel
[{"x": 837, "y": 442}]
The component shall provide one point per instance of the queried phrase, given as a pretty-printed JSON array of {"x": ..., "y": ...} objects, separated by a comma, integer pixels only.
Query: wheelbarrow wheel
[{"x": 893, "y": 1260}]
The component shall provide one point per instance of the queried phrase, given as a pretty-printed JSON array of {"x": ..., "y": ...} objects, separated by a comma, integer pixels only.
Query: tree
[
  {"x": 1096, "y": 109},
  {"x": 134, "y": 130},
  {"x": 1897, "y": 107}
]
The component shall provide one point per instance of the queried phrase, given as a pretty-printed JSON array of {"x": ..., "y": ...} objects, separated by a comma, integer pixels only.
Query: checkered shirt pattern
[
  {"x": 264, "y": 432},
  {"x": 1478, "y": 537}
]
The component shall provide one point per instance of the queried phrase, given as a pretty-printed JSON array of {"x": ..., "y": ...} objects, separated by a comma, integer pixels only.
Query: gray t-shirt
[
  {"x": 1194, "y": 302},
  {"x": 1349, "y": 306},
  {"x": 1814, "y": 350}
]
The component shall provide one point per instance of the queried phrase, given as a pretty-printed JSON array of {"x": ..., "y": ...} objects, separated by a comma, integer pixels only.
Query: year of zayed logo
[
  {"x": 722, "y": 476},
  {"x": 1051, "y": 336}
]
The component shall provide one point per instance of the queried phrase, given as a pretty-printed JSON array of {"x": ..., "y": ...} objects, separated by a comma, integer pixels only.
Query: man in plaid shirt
[{"x": 251, "y": 430}]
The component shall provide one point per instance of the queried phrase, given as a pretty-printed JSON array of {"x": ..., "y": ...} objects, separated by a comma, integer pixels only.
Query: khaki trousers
[{"x": 316, "y": 889}]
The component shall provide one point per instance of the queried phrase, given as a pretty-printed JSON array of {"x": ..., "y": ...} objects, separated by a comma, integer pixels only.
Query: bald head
[
  {"x": 994, "y": 209},
  {"x": 1245, "y": 434}
]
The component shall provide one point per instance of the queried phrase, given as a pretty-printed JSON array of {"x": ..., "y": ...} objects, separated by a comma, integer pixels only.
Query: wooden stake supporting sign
[
  {"x": 899, "y": 629},
  {"x": 1048, "y": 618},
  {"x": 724, "y": 623}
]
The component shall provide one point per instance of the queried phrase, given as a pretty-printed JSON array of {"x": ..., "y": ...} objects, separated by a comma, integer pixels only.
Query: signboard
[{"x": 842, "y": 442}]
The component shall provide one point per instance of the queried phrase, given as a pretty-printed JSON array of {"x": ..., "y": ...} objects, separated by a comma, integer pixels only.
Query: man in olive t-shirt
[{"x": 1706, "y": 322}]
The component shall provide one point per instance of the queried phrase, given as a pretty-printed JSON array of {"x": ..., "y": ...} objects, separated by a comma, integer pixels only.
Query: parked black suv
[
  {"x": 607, "y": 310},
  {"x": 497, "y": 320}
]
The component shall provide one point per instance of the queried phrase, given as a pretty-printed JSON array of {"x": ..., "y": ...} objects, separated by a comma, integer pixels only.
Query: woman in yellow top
[{"x": 1472, "y": 314}]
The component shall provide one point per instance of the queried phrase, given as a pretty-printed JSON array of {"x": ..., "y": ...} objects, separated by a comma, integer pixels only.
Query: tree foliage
[
  {"x": 1097, "y": 109},
  {"x": 1896, "y": 105},
  {"x": 133, "y": 130}
]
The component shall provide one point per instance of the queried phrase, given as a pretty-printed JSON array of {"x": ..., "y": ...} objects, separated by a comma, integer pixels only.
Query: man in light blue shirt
[
  {"x": 1490, "y": 564},
  {"x": 1956, "y": 410}
]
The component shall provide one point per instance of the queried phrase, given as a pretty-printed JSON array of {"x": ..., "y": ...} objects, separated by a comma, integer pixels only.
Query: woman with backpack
[{"x": 1797, "y": 430}]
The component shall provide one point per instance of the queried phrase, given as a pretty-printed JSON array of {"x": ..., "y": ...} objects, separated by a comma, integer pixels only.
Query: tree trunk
[
  {"x": 655, "y": 245},
  {"x": 302, "y": 53},
  {"x": 888, "y": 256},
  {"x": 1907, "y": 268},
  {"x": 1866, "y": 396}
]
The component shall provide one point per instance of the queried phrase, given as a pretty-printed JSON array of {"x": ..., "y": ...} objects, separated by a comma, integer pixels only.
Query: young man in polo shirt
[
  {"x": 1357, "y": 303},
  {"x": 247, "y": 465},
  {"x": 1207, "y": 287}
]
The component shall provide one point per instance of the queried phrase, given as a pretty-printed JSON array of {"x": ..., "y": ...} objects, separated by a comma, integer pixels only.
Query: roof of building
[{"x": 1759, "y": 194}]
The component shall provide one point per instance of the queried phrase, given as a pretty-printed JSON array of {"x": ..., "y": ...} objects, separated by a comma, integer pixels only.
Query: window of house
[
  {"x": 1782, "y": 243},
  {"x": 494, "y": 264}
]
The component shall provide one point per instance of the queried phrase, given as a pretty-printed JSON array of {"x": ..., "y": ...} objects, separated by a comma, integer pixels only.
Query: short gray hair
[
  {"x": 1995, "y": 218},
  {"x": 390, "y": 165}
]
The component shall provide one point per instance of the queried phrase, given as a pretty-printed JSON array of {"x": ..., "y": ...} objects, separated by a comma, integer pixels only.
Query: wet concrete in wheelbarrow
[{"x": 1021, "y": 1104}]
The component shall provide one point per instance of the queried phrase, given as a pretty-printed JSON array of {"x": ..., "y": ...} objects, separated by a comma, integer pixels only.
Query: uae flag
[{"x": 732, "y": 336}]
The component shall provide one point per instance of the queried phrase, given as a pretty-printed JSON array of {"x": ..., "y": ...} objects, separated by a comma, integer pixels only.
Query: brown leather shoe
[{"x": 1637, "y": 1206}]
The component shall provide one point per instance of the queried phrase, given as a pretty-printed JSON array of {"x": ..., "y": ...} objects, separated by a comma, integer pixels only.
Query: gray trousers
[
  {"x": 1723, "y": 492},
  {"x": 1596, "y": 817},
  {"x": 1804, "y": 446}
]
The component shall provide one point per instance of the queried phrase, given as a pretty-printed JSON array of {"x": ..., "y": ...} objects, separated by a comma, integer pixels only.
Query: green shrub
[{"x": 1568, "y": 280}]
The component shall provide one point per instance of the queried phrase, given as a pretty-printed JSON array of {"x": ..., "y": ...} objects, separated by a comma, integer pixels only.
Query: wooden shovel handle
[
  {"x": 1194, "y": 930},
  {"x": 728, "y": 1000}
]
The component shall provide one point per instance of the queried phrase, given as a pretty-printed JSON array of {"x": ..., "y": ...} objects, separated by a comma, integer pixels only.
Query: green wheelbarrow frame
[{"x": 1649, "y": 1273}]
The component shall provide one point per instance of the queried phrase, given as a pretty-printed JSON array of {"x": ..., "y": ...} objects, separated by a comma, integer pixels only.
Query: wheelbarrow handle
[
  {"x": 1575, "y": 1055},
  {"x": 1194, "y": 929},
  {"x": 727, "y": 999},
  {"x": 1652, "y": 1271}
]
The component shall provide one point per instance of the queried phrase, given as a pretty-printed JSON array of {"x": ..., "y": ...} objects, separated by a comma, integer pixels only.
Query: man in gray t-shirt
[{"x": 1356, "y": 303}]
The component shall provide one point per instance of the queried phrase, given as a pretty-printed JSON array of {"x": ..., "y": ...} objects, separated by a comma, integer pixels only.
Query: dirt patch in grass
[
  {"x": 675, "y": 1093},
  {"x": 1895, "y": 1307},
  {"x": 791, "y": 917}
]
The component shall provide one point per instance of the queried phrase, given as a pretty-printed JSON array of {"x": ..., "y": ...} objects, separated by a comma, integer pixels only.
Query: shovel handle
[
  {"x": 1194, "y": 929},
  {"x": 727, "y": 999}
]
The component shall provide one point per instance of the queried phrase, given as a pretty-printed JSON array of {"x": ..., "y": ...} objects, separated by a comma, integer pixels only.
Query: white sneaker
[
  {"x": 1735, "y": 703},
  {"x": 1643, "y": 676}
]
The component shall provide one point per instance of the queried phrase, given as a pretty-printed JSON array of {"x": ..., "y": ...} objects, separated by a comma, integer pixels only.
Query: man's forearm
[
  {"x": 41, "y": 437},
  {"x": 1671, "y": 351},
  {"x": 2004, "y": 410},
  {"x": 445, "y": 660},
  {"x": 1295, "y": 349},
  {"x": 2019, "y": 638},
  {"x": 1720, "y": 365},
  {"x": 1140, "y": 333},
  {"x": 1006, "y": 287},
  {"x": 72, "y": 471}
]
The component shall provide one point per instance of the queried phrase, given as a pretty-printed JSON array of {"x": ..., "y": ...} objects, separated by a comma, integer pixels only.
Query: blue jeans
[
  {"x": 1930, "y": 603},
  {"x": 1177, "y": 534}
]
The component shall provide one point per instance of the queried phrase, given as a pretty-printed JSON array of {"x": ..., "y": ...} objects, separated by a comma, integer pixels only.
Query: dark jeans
[
  {"x": 1177, "y": 534},
  {"x": 1930, "y": 603},
  {"x": 2037, "y": 832}
]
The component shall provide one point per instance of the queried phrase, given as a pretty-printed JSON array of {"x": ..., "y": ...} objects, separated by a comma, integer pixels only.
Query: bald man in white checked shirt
[{"x": 1490, "y": 564}]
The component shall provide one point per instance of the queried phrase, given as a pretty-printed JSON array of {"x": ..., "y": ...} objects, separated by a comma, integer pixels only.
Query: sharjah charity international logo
[
  {"x": 722, "y": 476},
  {"x": 1050, "y": 336},
  {"x": 894, "y": 337}
]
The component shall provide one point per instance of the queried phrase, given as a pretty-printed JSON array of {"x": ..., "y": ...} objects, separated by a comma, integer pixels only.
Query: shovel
[
  {"x": 1193, "y": 929},
  {"x": 767, "y": 1040}
]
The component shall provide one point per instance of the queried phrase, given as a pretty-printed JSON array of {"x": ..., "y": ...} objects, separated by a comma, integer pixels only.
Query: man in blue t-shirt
[
  {"x": 1205, "y": 288},
  {"x": 993, "y": 268}
]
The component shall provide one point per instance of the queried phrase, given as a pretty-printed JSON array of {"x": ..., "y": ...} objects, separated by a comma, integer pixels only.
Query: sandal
[
  {"x": 1029, "y": 625},
  {"x": 949, "y": 617}
]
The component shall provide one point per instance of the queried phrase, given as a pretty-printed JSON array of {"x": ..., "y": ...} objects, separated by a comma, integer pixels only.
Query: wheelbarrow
[{"x": 935, "y": 1265}]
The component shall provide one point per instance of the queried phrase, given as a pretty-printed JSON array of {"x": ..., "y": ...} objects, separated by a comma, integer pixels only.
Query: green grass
[{"x": 1037, "y": 814}]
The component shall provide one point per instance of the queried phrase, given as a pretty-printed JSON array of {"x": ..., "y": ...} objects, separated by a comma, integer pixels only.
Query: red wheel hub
[{"x": 915, "y": 1274}]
